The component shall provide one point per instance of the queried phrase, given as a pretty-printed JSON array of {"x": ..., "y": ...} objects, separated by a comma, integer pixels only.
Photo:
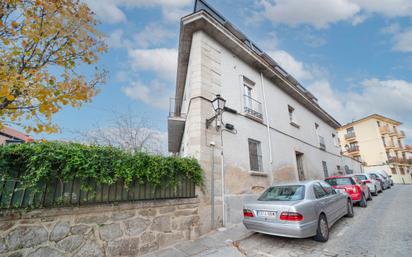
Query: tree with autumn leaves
[{"x": 44, "y": 47}]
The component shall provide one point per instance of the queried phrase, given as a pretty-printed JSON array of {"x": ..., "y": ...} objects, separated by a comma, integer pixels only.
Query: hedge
[{"x": 43, "y": 162}]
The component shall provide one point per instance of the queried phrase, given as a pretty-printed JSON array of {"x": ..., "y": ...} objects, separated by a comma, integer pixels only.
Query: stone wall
[{"x": 127, "y": 229}]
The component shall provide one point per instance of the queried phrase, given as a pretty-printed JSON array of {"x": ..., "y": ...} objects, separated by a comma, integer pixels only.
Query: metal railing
[
  {"x": 350, "y": 135},
  {"x": 401, "y": 134},
  {"x": 58, "y": 193},
  {"x": 175, "y": 108},
  {"x": 252, "y": 107},
  {"x": 352, "y": 149}
]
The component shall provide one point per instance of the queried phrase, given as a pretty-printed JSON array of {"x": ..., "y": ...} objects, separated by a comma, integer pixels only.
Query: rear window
[
  {"x": 283, "y": 193},
  {"x": 340, "y": 181},
  {"x": 362, "y": 177}
]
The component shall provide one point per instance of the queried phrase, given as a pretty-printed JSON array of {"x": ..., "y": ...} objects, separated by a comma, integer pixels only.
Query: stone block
[
  {"x": 110, "y": 231},
  {"x": 79, "y": 229},
  {"x": 147, "y": 237},
  {"x": 16, "y": 254},
  {"x": 148, "y": 212},
  {"x": 70, "y": 243},
  {"x": 90, "y": 249},
  {"x": 147, "y": 248},
  {"x": 6, "y": 225},
  {"x": 123, "y": 247},
  {"x": 186, "y": 212},
  {"x": 60, "y": 230},
  {"x": 136, "y": 226},
  {"x": 122, "y": 215},
  {"x": 168, "y": 209},
  {"x": 166, "y": 239},
  {"x": 26, "y": 236},
  {"x": 46, "y": 251},
  {"x": 161, "y": 224},
  {"x": 98, "y": 219},
  {"x": 3, "y": 246}
]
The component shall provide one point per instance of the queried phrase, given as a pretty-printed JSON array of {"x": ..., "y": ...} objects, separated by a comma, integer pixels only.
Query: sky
[{"x": 355, "y": 56}]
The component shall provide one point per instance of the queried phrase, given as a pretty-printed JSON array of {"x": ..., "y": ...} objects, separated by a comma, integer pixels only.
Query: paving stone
[
  {"x": 110, "y": 231},
  {"x": 3, "y": 246},
  {"x": 192, "y": 248},
  {"x": 136, "y": 226},
  {"x": 26, "y": 236},
  {"x": 98, "y": 219},
  {"x": 70, "y": 243},
  {"x": 45, "y": 252},
  {"x": 60, "y": 230},
  {"x": 122, "y": 215},
  {"x": 79, "y": 229}
]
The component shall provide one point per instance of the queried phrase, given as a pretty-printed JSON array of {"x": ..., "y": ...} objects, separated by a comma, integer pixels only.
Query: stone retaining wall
[{"x": 130, "y": 229}]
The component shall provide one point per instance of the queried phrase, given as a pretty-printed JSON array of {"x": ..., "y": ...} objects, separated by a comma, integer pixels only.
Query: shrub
[{"x": 38, "y": 163}]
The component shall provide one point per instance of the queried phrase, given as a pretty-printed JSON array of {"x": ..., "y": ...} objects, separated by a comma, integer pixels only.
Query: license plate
[{"x": 266, "y": 213}]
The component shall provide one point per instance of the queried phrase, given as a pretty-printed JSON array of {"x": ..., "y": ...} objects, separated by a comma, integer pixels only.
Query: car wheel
[
  {"x": 322, "y": 233},
  {"x": 369, "y": 196},
  {"x": 350, "y": 212},
  {"x": 363, "y": 203},
  {"x": 375, "y": 193}
]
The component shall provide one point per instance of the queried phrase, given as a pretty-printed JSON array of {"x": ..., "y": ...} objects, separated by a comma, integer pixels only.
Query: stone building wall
[{"x": 127, "y": 229}]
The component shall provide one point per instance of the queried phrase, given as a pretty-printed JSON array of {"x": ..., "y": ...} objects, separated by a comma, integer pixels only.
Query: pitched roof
[
  {"x": 14, "y": 134},
  {"x": 373, "y": 116}
]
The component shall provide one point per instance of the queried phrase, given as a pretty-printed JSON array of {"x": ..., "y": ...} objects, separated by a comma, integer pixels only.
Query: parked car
[
  {"x": 299, "y": 210},
  {"x": 387, "y": 176},
  {"x": 373, "y": 184},
  {"x": 385, "y": 182},
  {"x": 354, "y": 187},
  {"x": 377, "y": 178}
]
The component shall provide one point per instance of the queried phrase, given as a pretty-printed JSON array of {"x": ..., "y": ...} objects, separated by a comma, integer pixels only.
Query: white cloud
[
  {"x": 155, "y": 94},
  {"x": 110, "y": 11},
  {"x": 403, "y": 41},
  {"x": 318, "y": 13},
  {"x": 388, "y": 8},
  {"x": 390, "y": 98},
  {"x": 161, "y": 61},
  {"x": 116, "y": 39},
  {"x": 152, "y": 34},
  {"x": 291, "y": 65}
]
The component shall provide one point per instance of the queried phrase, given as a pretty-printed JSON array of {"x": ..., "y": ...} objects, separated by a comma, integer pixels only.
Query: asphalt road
[{"x": 384, "y": 228}]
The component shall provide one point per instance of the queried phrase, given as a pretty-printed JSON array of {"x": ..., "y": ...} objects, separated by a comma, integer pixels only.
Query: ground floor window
[
  {"x": 325, "y": 169},
  {"x": 255, "y": 155}
]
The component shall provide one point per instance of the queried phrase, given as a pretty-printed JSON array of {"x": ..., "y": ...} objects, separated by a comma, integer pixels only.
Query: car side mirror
[
  {"x": 363, "y": 183},
  {"x": 334, "y": 192}
]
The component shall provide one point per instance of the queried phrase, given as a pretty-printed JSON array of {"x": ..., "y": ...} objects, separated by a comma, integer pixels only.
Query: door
[
  {"x": 337, "y": 202},
  {"x": 299, "y": 163}
]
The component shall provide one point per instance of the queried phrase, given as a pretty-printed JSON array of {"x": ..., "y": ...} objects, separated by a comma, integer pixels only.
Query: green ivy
[{"x": 38, "y": 163}]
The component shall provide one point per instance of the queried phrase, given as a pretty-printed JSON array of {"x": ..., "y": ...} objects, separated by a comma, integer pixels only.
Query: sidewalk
[{"x": 216, "y": 244}]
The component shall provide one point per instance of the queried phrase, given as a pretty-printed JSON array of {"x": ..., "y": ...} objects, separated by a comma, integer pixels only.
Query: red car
[{"x": 354, "y": 187}]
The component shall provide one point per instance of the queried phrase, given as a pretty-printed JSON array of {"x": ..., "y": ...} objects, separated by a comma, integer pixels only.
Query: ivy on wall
[{"x": 42, "y": 162}]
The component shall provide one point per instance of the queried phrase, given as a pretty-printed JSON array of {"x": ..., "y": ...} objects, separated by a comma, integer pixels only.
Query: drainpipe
[
  {"x": 212, "y": 186},
  {"x": 223, "y": 179},
  {"x": 267, "y": 118}
]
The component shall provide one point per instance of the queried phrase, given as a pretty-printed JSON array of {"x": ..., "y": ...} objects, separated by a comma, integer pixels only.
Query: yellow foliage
[{"x": 46, "y": 35}]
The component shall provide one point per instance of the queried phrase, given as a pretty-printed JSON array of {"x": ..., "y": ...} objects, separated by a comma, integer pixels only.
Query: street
[{"x": 384, "y": 228}]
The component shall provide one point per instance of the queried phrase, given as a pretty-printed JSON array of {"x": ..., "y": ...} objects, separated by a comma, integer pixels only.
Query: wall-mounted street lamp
[{"x": 219, "y": 106}]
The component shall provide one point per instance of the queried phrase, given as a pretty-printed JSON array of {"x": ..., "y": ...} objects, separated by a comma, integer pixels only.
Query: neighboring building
[
  {"x": 280, "y": 132},
  {"x": 377, "y": 142},
  {"x": 12, "y": 136}
]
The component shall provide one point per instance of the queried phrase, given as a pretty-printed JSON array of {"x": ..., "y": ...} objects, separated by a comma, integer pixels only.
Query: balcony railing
[
  {"x": 252, "y": 107},
  {"x": 389, "y": 146},
  {"x": 401, "y": 134},
  {"x": 353, "y": 149},
  {"x": 350, "y": 136},
  {"x": 392, "y": 159},
  {"x": 175, "y": 108},
  {"x": 384, "y": 129},
  {"x": 322, "y": 144}
]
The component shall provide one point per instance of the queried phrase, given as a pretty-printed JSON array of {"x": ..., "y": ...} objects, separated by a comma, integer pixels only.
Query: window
[
  {"x": 350, "y": 130},
  {"x": 335, "y": 140},
  {"x": 252, "y": 107},
  {"x": 341, "y": 181},
  {"x": 283, "y": 193},
  {"x": 326, "y": 187},
  {"x": 383, "y": 141},
  {"x": 325, "y": 169},
  {"x": 318, "y": 190},
  {"x": 379, "y": 123},
  {"x": 291, "y": 110},
  {"x": 255, "y": 155}
]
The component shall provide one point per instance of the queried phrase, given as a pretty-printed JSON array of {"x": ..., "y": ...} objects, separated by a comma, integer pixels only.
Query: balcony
[
  {"x": 351, "y": 136},
  {"x": 384, "y": 130},
  {"x": 393, "y": 159},
  {"x": 175, "y": 125},
  {"x": 401, "y": 134},
  {"x": 253, "y": 108},
  {"x": 393, "y": 132},
  {"x": 389, "y": 146},
  {"x": 322, "y": 144},
  {"x": 353, "y": 150}
]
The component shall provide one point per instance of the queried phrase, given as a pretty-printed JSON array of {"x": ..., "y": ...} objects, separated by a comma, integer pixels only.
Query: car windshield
[
  {"x": 362, "y": 177},
  {"x": 283, "y": 193},
  {"x": 340, "y": 181}
]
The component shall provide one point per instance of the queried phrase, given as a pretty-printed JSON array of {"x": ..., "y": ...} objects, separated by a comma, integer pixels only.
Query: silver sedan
[{"x": 298, "y": 209}]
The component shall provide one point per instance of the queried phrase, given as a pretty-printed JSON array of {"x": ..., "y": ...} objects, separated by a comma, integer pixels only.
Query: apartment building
[
  {"x": 271, "y": 128},
  {"x": 378, "y": 143}
]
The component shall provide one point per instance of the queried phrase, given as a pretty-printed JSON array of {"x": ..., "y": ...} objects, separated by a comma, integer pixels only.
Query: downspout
[
  {"x": 267, "y": 117},
  {"x": 223, "y": 179}
]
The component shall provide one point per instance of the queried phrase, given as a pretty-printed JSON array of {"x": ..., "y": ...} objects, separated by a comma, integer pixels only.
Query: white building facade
[{"x": 279, "y": 131}]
